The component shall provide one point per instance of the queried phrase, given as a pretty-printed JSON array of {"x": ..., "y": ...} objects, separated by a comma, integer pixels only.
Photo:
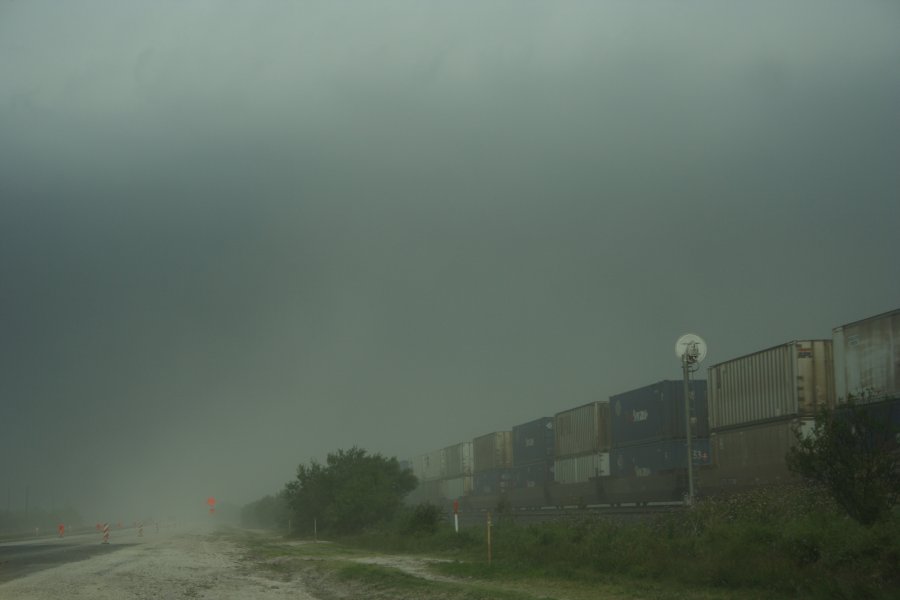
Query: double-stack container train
[{"x": 632, "y": 447}]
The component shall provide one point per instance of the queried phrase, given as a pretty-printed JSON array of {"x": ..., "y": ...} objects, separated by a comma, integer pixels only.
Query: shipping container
[
  {"x": 582, "y": 430},
  {"x": 793, "y": 379},
  {"x": 655, "y": 457},
  {"x": 663, "y": 487},
  {"x": 577, "y": 469},
  {"x": 533, "y": 475},
  {"x": 751, "y": 456},
  {"x": 494, "y": 481},
  {"x": 533, "y": 441},
  {"x": 458, "y": 460},
  {"x": 430, "y": 466},
  {"x": 656, "y": 412},
  {"x": 493, "y": 451},
  {"x": 867, "y": 358},
  {"x": 456, "y": 487}
]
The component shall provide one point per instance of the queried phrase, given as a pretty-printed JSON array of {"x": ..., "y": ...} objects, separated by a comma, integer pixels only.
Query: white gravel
[{"x": 180, "y": 565}]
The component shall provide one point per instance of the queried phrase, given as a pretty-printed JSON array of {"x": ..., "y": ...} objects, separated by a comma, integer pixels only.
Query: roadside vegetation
[
  {"x": 835, "y": 536},
  {"x": 788, "y": 542}
]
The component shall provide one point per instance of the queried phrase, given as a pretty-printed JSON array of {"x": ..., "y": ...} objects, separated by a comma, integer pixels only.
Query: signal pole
[
  {"x": 685, "y": 365},
  {"x": 691, "y": 349}
]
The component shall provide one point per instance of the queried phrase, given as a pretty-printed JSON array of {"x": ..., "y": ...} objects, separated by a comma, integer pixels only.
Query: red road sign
[{"x": 211, "y": 501}]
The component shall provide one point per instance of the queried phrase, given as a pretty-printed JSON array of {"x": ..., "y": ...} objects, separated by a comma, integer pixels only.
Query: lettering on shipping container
[{"x": 639, "y": 415}]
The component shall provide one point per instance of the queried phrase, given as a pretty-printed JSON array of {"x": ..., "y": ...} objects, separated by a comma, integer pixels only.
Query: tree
[
  {"x": 353, "y": 490},
  {"x": 269, "y": 512},
  {"x": 852, "y": 453}
]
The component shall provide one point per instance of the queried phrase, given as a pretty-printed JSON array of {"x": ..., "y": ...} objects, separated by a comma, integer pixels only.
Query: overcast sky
[{"x": 235, "y": 236}]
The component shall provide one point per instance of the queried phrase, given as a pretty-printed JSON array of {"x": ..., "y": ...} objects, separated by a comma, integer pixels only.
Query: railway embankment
[{"x": 769, "y": 544}]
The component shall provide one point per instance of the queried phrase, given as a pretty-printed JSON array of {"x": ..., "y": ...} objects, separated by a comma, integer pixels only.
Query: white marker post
[{"x": 456, "y": 515}]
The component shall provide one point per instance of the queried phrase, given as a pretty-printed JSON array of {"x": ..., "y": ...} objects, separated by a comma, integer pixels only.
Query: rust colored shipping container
[
  {"x": 751, "y": 456},
  {"x": 493, "y": 451}
]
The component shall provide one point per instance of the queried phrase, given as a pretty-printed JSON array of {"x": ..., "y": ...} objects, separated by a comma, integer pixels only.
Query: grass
[
  {"x": 787, "y": 543},
  {"x": 784, "y": 544}
]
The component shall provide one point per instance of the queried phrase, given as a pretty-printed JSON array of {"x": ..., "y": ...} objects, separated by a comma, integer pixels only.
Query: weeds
[{"x": 790, "y": 542}]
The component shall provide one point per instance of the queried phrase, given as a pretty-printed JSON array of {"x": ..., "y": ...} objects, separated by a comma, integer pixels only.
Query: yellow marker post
[{"x": 489, "y": 536}]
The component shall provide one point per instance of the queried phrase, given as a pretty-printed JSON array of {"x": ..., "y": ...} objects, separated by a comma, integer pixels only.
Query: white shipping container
[
  {"x": 582, "y": 430},
  {"x": 577, "y": 469},
  {"x": 456, "y": 487},
  {"x": 458, "y": 460},
  {"x": 430, "y": 466},
  {"x": 866, "y": 358},
  {"x": 792, "y": 379}
]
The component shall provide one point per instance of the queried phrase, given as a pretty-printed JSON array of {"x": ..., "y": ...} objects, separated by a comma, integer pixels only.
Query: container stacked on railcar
[
  {"x": 493, "y": 462},
  {"x": 443, "y": 474},
  {"x": 649, "y": 449},
  {"x": 867, "y": 359},
  {"x": 632, "y": 448},
  {"x": 459, "y": 461},
  {"x": 581, "y": 454},
  {"x": 532, "y": 473},
  {"x": 755, "y": 402}
]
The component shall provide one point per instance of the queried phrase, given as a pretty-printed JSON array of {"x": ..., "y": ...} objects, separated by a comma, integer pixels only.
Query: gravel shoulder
[{"x": 180, "y": 565}]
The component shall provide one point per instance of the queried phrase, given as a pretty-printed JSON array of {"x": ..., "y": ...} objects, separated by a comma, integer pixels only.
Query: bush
[{"x": 423, "y": 518}]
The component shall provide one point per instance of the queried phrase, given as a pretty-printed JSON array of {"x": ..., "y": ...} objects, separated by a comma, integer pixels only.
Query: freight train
[{"x": 631, "y": 449}]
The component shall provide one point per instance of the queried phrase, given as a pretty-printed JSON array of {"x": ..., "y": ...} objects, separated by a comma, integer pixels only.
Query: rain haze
[{"x": 236, "y": 236}]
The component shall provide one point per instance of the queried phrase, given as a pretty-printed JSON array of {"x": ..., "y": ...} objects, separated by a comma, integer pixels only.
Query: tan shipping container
[
  {"x": 493, "y": 451},
  {"x": 792, "y": 379},
  {"x": 456, "y": 487},
  {"x": 582, "y": 430},
  {"x": 578, "y": 469},
  {"x": 867, "y": 358}
]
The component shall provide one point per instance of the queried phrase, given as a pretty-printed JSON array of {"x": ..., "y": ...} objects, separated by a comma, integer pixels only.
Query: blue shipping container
[
  {"x": 533, "y": 442},
  {"x": 656, "y": 412},
  {"x": 533, "y": 475},
  {"x": 494, "y": 481},
  {"x": 656, "y": 457}
]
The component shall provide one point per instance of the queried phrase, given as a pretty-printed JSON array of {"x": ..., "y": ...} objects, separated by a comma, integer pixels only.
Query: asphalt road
[{"x": 28, "y": 556}]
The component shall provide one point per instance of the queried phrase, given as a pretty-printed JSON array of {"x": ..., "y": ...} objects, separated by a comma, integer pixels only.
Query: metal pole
[{"x": 687, "y": 428}]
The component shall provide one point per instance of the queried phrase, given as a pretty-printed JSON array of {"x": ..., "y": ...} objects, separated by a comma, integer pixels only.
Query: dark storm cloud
[{"x": 236, "y": 236}]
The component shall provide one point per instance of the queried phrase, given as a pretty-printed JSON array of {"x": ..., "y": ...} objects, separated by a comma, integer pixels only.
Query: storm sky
[{"x": 235, "y": 236}]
